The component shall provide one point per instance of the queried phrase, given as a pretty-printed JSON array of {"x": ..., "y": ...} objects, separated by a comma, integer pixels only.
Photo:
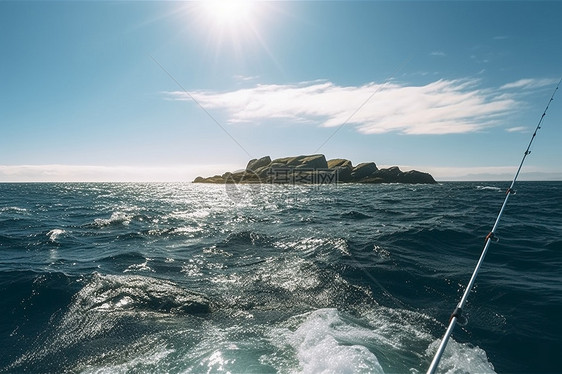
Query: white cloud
[
  {"x": 245, "y": 78},
  {"x": 529, "y": 83},
  {"x": 517, "y": 129},
  {"x": 438, "y": 53},
  {"x": 440, "y": 107}
]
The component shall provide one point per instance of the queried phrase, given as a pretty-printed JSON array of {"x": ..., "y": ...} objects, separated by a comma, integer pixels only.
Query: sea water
[{"x": 192, "y": 278}]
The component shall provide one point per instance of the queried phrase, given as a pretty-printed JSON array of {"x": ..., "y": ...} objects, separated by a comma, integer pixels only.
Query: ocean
[{"x": 349, "y": 278}]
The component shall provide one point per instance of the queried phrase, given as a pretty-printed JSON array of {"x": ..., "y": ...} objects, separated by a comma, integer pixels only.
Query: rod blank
[{"x": 457, "y": 314}]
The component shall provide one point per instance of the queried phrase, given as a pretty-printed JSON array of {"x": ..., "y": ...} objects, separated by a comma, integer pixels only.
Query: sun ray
[{"x": 228, "y": 13}]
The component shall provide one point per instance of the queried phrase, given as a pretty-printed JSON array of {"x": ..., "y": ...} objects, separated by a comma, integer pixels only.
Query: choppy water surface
[{"x": 262, "y": 279}]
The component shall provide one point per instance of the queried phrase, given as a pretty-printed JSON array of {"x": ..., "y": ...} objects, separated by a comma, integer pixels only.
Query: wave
[
  {"x": 106, "y": 307},
  {"x": 326, "y": 343},
  {"x": 435, "y": 240},
  {"x": 117, "y": 218},
  {"x": 354, "y": 215},
  {"x": 461, "y": 358},
  {"x": 382, "y": 340},
  {"x": 12, "y": 242},
  {"x": 54, "y": 234},
  {"x": 555, "y": 246},
  {"x": 30, "y": 301},
  {"x": 319, "y": 248},
  {"x": 196, "y": 284},
  {"x": 245, "y": 238},
  {"x": 491, "y": 188},
  {"x": 188, "y": 231},
  {"x": 138, "y": 293},
  {"x": 13, "y": 209},
  {"x": 120, "y": 218}
]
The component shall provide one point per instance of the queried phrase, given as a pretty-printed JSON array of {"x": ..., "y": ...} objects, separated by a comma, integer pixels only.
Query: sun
[
  {"x": 228, "y": 13},
  {"x": 232, "y": 28}
]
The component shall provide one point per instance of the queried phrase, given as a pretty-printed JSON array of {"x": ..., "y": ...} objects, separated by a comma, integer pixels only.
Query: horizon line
[{"x": 59, "y": 173}]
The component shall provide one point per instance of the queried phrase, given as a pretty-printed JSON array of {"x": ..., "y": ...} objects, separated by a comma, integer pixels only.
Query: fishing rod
[{"x": 457, "y": 315}]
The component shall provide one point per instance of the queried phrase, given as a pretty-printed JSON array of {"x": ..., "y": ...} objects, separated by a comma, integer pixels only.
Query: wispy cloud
[
  {"x": 440, "y": 107},
  {"x": 529, "y": 83},
  {"x": 438, "y": 53},
  {"x": 245, "y": 78},
  {"x": 517, "y": 129}
]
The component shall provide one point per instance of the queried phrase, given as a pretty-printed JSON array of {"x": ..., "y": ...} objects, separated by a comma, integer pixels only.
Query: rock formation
[{"x": 314, "y": 169}]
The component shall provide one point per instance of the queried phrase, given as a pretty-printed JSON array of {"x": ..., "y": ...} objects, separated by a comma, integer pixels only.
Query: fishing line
[
  {"x": 201, "y": 106},
  {"x": 364, "y": 103},
  {"x": 457, "y": 315}
]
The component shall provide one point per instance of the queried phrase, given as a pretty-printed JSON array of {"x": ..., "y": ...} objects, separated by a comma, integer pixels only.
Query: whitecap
[
  {"x": 492, "y": 188},
  {"x": 54, "y": 234},
  {"x": 139, "y": 267},
  {"x": 380, "y": 339},
  {"x": 461, "y": 358},
  {"x": 325, "y": 343},
  {"x": 116, "y": 218},
  {"x": 13, "y": 209}
]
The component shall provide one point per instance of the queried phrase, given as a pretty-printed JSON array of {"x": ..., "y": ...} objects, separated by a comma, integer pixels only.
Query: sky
[{"x": 167, "y": 91}]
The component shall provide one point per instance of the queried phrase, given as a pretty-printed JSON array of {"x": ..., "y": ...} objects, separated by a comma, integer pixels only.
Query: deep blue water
[{"x": 262, "y": 279}]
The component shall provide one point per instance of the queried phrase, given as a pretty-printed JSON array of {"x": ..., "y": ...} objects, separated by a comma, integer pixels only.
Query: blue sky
[{"x": 166, "y": 91}]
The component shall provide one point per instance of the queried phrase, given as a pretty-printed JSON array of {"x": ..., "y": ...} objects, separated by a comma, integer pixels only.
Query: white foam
[
  {"x": 403, "y": 334},
  {"x": 54, "y": 234},
  {"x": 12, "y": 209},
  {"x": 139, "y": 267},
  {"x": 461, "y": 358},
  {"x": 324, "y": 343},
  {"x": 116, "y": 217},
  {"x": 382, "y": 339},
  {"x": 493, "y": 188}
]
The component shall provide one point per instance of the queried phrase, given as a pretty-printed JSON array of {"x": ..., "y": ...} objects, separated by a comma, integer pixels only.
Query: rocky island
[{"x": 315, "y": 169}]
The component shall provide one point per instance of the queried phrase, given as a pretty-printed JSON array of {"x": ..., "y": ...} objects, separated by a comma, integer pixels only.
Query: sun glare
[
  {"x": 228, "y": 12},
  {"x": 231, "y": 26}
]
